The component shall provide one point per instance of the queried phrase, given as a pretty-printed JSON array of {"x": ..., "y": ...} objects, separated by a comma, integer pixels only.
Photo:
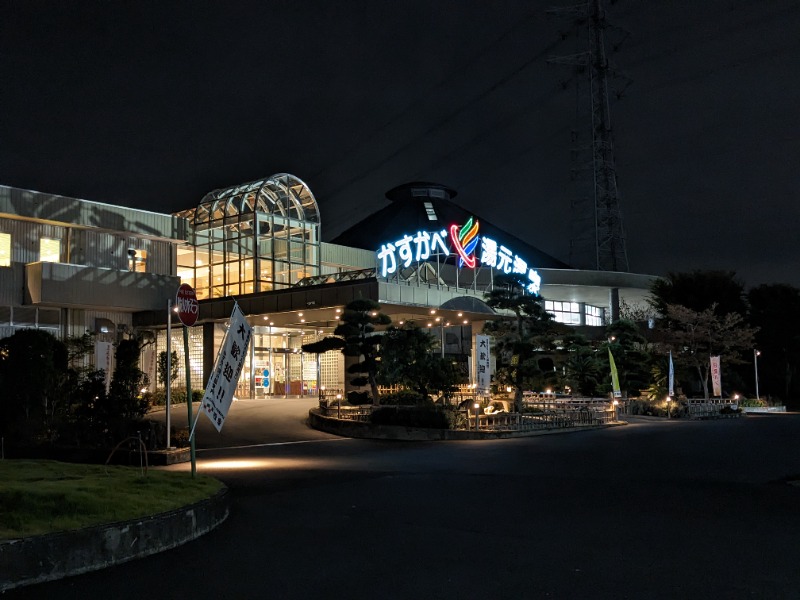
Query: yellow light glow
[{"x": 236, "y": 464}]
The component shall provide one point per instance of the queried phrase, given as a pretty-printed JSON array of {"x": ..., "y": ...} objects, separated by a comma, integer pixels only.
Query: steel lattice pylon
[{"x": 610, "y": 253}]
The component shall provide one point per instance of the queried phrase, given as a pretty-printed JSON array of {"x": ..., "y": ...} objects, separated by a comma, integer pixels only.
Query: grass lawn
[{"x": 44, "y": 496}]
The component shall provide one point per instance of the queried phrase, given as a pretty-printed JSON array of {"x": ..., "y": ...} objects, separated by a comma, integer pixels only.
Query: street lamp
[
  {"x": 476, "y": 406},
  {"x": 756, "y": 354},
  {"x": 669, "y": 413}
]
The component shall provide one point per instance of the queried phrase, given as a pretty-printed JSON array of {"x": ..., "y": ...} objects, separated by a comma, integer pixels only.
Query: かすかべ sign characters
[{"x": 465, "y": 241}]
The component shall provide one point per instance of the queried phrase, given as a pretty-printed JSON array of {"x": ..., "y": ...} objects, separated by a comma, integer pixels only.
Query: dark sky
[{"x": 153, "y": 104}]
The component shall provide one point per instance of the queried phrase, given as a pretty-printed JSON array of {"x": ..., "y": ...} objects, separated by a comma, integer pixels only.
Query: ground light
[{"x": 476, "y": 406}]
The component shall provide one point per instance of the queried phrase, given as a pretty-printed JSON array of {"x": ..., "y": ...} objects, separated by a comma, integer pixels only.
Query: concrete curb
[
  {"x": 357, "y": 429},
  {"x": 53, "y": 556}
]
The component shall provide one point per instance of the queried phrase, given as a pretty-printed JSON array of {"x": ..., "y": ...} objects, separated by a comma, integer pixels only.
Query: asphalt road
[{"x": 654, "y": 509}]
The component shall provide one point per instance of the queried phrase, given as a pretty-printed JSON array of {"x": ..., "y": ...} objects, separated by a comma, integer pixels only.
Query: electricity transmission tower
[{"x": 597, "y": 220}]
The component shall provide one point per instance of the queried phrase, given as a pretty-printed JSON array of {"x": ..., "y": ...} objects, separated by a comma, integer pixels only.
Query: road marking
[{"x": 270, "y": 444}]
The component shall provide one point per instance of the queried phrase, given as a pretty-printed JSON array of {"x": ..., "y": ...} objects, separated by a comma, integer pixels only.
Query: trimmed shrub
[
  {"x": 178, "y": 396},
  {"x": 404, "y": 398},
  {"x": 413, "y": 416},
  {"x": 359, "y": 398}
]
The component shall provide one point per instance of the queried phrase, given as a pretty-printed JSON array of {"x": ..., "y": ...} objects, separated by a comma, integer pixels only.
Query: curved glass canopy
[
  {"x": 252, "y": 237},
  {"x": 281, "y": 194}
]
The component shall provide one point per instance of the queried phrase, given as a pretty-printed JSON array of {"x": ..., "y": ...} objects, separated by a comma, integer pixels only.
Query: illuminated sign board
[{"x": 464, "y": 242}]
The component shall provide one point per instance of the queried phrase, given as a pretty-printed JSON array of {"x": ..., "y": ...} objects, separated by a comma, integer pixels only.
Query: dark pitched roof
[{"x": 408, "y": 213}]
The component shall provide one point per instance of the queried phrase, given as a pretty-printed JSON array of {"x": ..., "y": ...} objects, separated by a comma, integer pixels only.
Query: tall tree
[
  {"x": 774, "y": 309},
  {"x": 698, "y": 290},
  {"x": 408, "y": 359},
  {"x": 521, "y": 339},
  {"x": 162, "y": 366},
  {"x": 356, "y": 336},
  {"x": 33, "y": 365},
  {"x": 632, "y": 356},
  {"x": 694, "y": 336},
  {"x": 125, "y": 402}
]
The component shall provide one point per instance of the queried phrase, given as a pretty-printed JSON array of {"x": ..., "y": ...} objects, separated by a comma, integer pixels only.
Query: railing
[
  {"x": 463, "y": 393},
  {"x": 345, "y": 413},
  {"x": 703, "y": 409},
  {"x": 499, "y": 421}
]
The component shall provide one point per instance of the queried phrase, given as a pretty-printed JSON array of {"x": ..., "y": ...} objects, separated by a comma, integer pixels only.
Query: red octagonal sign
[{"x": 188, "y": 307}]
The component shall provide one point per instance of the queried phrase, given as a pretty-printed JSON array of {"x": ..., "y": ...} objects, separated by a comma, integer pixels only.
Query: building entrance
[{"x": 279, "y": 366}]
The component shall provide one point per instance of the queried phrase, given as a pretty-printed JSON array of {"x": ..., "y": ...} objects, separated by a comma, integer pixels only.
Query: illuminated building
[{"x": 73, "y": 266}]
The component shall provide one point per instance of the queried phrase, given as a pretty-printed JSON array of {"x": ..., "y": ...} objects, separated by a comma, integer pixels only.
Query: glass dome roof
[{"x": 280, "y": 194}]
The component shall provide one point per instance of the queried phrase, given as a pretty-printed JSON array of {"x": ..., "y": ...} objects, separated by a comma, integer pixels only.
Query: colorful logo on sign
[{"x": 465, "y": 239}]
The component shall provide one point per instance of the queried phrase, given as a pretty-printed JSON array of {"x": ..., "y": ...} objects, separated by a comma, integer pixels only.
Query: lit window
[
  {"x": 5, "y": 249},
  {"x": 594, "y": 316},
  {"x": 137, "y": 260},
  {"x": 564, "y": 312},
  {"x": 49, "y": 250},
  {"x": 430, "y": 212}
]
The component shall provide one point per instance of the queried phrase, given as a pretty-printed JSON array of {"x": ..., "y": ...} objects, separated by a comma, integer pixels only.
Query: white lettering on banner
[
  {"x": 230, "y": 360},
  {"x": 716, "y": 376},
  {"x": 103, "y": 355},
  {"x": 482, "y": 364}
]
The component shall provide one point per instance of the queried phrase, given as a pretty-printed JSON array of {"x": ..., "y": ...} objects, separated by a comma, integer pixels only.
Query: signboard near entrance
[
  {"x": 483, "y": 374},
  {"x": 230, "y": 360},
  {"x": 188, "y": 307}
]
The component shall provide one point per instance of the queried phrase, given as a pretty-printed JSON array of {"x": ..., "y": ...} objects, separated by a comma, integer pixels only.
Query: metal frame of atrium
[{"x": 255, "y": 237}]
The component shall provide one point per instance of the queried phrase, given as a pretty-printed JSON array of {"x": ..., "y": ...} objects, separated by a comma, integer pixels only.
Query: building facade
[{"x": 72, "y": 266}]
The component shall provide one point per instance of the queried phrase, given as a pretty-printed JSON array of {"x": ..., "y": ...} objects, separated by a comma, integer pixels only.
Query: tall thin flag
[
  {"x": 671, "y": 376},
  {"x": 614, "y": 375}
]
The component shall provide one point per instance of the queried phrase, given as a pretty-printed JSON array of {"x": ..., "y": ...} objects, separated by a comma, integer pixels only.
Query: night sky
[{"x": 153, "y": 104}]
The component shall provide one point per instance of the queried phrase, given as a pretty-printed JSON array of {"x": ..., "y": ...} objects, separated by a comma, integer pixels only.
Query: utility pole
[{"x": 600, "y": 224}]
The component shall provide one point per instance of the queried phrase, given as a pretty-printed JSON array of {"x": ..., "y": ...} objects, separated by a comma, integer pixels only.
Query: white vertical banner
[
  {"x": 103, "y": 358},
  {"x": 671, "y": 376},
  {"x": 482, "y": 364},
  {"x": 716, "y": 376},
  {"x": 149, "y": 365},
  {"x": 230, "y": 360}
]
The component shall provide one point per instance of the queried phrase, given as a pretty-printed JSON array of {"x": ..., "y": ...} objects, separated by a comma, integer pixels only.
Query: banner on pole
[
  {"x": 230, "y": 360},
  {"x": 482, "y": 364},
  {"x": 614, "y": 375},
  {"x": 671, "y": 376},
  {"x": 716, "y": 376},
  {"x": 103, "y": 359}
]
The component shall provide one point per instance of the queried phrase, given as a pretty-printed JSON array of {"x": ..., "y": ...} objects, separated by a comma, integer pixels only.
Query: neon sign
[{"x": 464, "y": 240}]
